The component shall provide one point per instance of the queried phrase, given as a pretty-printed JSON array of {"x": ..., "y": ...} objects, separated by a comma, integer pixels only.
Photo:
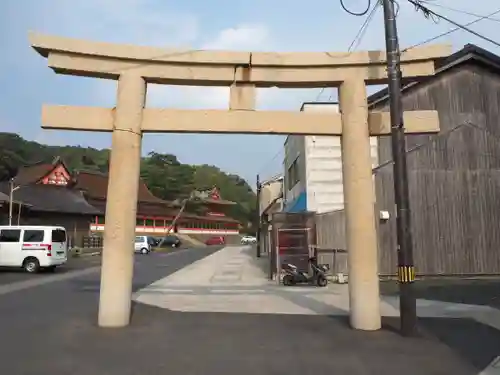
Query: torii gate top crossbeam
[{"x": 222, "y": 68}]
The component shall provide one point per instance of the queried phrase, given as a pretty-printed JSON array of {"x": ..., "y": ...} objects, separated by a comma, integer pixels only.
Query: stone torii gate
[{"x": 133, "y": 67}]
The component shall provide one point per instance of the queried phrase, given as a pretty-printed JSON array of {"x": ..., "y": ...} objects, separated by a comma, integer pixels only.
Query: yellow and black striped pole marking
[{"x": 406, "y": 274}]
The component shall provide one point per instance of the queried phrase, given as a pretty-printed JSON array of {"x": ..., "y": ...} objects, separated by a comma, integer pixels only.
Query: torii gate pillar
[
  {"x": 124, "y": 169},
  {"x": 359, "y": 200}
]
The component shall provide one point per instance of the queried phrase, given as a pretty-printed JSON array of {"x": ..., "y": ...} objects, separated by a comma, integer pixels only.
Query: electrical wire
[
  {"x": 270, "y": 161},
  {"x": 361, "y": 33},
  {"x": 429, "y": 13},
  {"x": 433, "y": 3},
  {"x": 452, "y": 30},
  {"x": 354, "y": 44},
  {"x": 358, "y": 14},
  {"x": 358, "y": 37},
  {"x": 364, "y": 27}
]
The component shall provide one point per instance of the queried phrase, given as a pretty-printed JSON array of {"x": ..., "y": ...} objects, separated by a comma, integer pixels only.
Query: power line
[
  {"x": 359, "y": 14},
  {"x": 433, "y": 3},
  {"x": 359, "y": 35},
  {"x": 428, "y": 13},
  {"x": 371, "y": 11},
  {"x": 364, "y": 27},
  {"x": 453, "y": 30},
  {"x": 267, "y": 163}
]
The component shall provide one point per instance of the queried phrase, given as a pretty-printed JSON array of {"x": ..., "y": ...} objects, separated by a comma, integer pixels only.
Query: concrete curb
[
  {"x": 89, "y": 254},
  {"x": 81, "y": 253}
]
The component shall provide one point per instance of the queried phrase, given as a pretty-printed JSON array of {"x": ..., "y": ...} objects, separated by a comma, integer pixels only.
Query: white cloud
[
  {"x": 119, "y": 21},
  {"x": 243, "y": 37},
  {"x": 140, "y": 22}
]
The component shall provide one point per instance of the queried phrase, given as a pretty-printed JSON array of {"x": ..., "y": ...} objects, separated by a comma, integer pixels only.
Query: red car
[{"x": 217, "y": 240}]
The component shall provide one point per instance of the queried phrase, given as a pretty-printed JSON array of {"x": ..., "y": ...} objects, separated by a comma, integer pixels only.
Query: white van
[{"x": 33, "y": 247}]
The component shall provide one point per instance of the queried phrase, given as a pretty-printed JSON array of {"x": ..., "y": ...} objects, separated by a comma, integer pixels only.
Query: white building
[
  {"x": 271, "y": 196},
  {"x": 313, "y": 169}
]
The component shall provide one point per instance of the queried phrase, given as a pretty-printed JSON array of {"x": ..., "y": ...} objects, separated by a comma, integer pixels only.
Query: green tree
[{"x": 166, "y": 177}]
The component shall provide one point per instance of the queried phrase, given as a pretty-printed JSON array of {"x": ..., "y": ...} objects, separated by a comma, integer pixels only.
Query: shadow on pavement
[
  {"x": 474, "y": 341},
  {"x": 469, "y": 291}
]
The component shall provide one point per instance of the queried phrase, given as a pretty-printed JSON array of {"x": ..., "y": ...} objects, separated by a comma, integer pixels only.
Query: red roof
[
  {"x": 95, "y": 185},
  {"x": 213, "y": 198},
  {"x": 34, "y": 173}
]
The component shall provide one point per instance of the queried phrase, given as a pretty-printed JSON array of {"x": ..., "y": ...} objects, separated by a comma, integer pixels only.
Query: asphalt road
[
  {"x": 50, "y": 328},
  {"x": 10, "y": 275},
  {"x": 481, "y": 291}
]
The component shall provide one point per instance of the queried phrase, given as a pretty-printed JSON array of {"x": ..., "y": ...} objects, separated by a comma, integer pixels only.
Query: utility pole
[
  {"x": 406, "y": 269},
  {"x": 12, "y": 189},
  {"x": 183, "y": 207},
  {"x": 259, "y": 187}
]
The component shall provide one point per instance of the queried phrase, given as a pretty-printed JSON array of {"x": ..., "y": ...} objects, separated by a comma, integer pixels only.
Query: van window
[
  {"x": 10, "y": 235},
  {"x": 139, "y": 239},
  {"x": 58, "y": 235},
  {"x": 33, "y": 235}
]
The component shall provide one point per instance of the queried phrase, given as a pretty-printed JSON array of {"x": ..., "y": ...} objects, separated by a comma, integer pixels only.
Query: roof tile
[
  {"x": 95, "y": 185},
  {"x": 52, "y": 198}
]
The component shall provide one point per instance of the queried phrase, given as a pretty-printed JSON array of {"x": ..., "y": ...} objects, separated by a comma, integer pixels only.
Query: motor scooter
[{"x": 317, "y": 277}]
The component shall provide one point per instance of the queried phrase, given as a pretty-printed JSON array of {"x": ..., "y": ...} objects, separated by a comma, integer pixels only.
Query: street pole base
[{"x": 408, "y": 309}]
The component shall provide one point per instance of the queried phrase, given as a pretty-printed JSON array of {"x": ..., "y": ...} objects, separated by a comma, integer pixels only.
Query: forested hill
[{"x": 165, "y": 176}]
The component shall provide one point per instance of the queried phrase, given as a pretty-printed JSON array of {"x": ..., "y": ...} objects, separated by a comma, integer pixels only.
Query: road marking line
[
  {"x": 233, "y": 291},
  {"x": 21, "y": 285},
  {"x": 26, "y": 284}
]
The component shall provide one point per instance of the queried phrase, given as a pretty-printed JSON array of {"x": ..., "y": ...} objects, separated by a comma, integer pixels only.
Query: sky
[{"x": 257, "y": 25}]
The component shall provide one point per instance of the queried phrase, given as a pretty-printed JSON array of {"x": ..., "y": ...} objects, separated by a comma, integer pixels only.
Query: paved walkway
[{"x": 232, "y": 280}]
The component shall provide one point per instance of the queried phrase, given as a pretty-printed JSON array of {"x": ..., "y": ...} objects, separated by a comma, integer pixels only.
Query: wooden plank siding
[{"x": 454, "y": 176}]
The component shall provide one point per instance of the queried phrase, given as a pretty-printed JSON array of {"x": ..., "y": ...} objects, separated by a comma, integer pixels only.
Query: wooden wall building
[{"x": 454, "y": 176}]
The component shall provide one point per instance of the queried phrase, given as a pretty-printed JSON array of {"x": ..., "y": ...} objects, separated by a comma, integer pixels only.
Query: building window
[
  {"x": 293, "y": 176},
  {"x": 149, "y": 223},
  {"x": 160, "y": 223},
  {"x": 100, "y": 220},
  {"x": 139, "y": 222}
]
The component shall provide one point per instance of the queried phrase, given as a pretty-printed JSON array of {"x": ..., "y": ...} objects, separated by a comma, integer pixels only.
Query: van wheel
[
  {"x": 144, "y": 250},
  {"x": 31, "y": 265}
]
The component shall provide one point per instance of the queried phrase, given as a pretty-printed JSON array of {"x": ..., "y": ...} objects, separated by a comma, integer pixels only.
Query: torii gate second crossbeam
[{"x": 243, "y": 72}]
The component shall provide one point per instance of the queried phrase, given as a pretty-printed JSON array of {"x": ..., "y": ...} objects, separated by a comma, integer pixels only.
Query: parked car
[
  {"x": 157, "y": 240},
  {"x": 142, "y": 244},
  {"x": 246, "y": 240},
  {"x": 153, "y": 242},
  {"x": 170, "y": 241},
  {"x": 216, "y": 240}
]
